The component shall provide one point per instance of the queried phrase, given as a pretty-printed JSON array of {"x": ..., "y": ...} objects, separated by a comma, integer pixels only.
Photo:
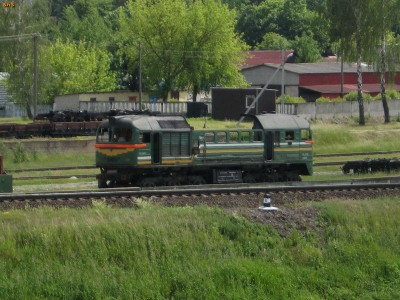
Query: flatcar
[{"x": 150, "y": 150}]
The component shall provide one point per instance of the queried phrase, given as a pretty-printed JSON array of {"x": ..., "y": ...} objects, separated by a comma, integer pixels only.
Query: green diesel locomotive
[{"x": 150, "y": 150}]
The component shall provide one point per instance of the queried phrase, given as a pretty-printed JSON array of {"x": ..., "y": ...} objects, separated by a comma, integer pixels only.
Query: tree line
[{"x": 100, "y": 45}]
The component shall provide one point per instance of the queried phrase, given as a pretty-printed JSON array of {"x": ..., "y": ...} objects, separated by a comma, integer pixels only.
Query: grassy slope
[{"x": 199, "y": 253}]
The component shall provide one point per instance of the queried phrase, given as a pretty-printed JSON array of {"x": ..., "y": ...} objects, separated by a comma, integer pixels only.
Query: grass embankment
[
  {"x": 331, "y": 138},
  {"x": 199, "y": 253}
]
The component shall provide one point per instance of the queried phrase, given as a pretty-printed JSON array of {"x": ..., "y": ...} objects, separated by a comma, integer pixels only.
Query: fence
[
  {"x": 327, "y": 110},
  {"x": 170, "y": 107},
  {"x": 9, "y": 110},
  {"x": 331, "y": 110}
]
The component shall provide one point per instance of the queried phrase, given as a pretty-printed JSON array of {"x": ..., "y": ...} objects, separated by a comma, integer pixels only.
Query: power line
[{"x": 23, "y": 36}]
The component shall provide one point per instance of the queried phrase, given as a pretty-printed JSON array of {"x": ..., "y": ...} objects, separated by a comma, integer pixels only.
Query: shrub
[
  {"x": 352, "y": 96},
  {"x": 390, "y": 95},
  {"x": 19, "y": 153},
  {"x": 325, "y": 100},
  {"x": 290, "y": 99},
  {"x": 4, "y": 149}
]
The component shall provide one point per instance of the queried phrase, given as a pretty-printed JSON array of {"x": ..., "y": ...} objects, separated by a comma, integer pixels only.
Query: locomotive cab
[{"x": 130, "y": 147}]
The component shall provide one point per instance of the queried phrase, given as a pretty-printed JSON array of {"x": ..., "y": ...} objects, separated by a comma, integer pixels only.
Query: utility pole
[
  {"x": 35, "y": 74},
  {"x": 140, "y": 77},
  {"x": 283, "y": 81}
]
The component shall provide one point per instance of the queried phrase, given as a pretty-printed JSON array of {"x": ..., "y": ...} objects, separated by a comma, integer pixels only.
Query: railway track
[
  {"x": 91, "y": 167},
  {"x": 224, "y": 196}
]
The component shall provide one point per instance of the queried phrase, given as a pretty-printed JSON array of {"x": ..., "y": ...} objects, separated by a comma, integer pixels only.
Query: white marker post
[{"x": 267, "y": 204}]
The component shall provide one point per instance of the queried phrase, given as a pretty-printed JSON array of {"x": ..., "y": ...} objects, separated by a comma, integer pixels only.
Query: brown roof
[
  {"x": 260, "y": 57},
  {"x": 347, "y": 88}
]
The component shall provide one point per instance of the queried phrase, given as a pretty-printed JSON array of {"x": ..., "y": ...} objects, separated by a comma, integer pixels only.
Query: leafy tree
[
  {"x": 88, "y": 20},
  {"x": 254, "y": 21},
  {"x": 294, "y": 19},
  {"x": 185, "y": 44},
  {"x": 385, "y": 59},
  {"x": 77, "y": 67},
  {"x": 273, "y": 41},
  {"x": 20, "y": 24},
  {"x": 307, "y": 49},
  {"x": 351, "y": 26}
]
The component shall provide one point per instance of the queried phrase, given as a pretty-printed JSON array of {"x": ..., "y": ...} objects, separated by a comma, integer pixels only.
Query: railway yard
[{"x": 67, "y": 194}]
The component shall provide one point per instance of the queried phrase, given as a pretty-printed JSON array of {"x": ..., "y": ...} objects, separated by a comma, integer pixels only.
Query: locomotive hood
[
  {"x": 278, "y": 121},
  {"x": 150, "y": 123}
]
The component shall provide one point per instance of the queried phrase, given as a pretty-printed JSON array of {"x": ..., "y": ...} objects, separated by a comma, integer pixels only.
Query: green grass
[
  {"x": 329, "y": 138},
  {"x": 199, "y": 253},
  {"x": 35, "y": 159},
  {"x": 16, "y": 120}
]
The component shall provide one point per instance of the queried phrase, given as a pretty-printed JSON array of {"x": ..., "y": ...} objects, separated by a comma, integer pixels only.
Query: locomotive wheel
[
  {"x": 197, "y": 180},
  {"x": 248, "y": 178},
  {"x": 172, "y": 181},
  {"x": 101, "y": 184},
  {"x": 110, "y": 183},
  {"x": 148, "y": 182}
]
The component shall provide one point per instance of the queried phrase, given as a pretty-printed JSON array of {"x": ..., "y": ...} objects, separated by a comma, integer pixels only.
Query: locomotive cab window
[
  {"x": 305, "y": 134},
  {"x": 144, "y": 137},
  {"x": 103, "y": 135},
  {"x": 289, "y": 135},
  {"x": 122, "y": 135}
]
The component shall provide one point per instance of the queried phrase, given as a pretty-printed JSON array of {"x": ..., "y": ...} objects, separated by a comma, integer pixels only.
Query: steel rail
[{"x": 137, "y": 192}]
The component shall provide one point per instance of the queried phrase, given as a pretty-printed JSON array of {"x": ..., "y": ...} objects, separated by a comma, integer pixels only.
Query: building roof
[
  {"x": 317, "y": 68},
  {"x": 347, "y": 88},
  {"x": 260, "y": 57}
]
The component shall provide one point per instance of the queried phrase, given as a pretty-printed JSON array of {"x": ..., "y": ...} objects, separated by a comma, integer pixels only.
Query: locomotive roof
[
  {"x": 152, "y": 123},
  {"x": 279, "y": 121}
]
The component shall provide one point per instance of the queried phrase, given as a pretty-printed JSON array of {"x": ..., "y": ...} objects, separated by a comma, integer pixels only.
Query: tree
[
  {"x": 77, "y": 67},
  {"x": 351, "y": 26},
  {"x": 273, "y": 41},
  {"x": 385, "y": 60},
  {"x": 255, "y": 20},
  {"x": 88, "y": 20},
  {"x": 186, "y": 44},
  {"x": 20, "y": 24},
  {"x": 307, "y": 50}
]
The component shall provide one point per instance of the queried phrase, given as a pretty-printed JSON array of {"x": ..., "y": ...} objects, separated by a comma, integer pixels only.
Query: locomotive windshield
[
  {"x": 306, "y": 134},
  {"x": 114, "y": 135}
]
